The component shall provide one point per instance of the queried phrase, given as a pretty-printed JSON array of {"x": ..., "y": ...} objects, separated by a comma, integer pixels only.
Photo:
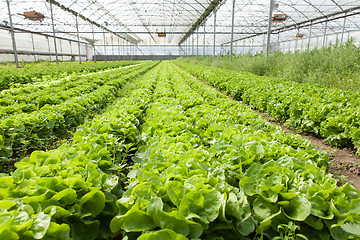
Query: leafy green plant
[
  {"x": 334, "y": 66},
  {"x": 330, "y": 113},
  {"x": 198, "y": 165},
  {"x": 47, "y": 71}
]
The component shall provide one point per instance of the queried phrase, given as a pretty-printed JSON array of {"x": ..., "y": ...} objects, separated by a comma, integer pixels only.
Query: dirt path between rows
[{"x": 344, "y": 163}]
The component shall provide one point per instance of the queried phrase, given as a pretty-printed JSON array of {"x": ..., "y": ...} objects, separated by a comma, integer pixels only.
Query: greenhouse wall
[{"x": 29, "y": 43}]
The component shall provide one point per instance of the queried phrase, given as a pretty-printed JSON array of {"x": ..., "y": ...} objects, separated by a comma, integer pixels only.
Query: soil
[{"x": 344, "y": 163}]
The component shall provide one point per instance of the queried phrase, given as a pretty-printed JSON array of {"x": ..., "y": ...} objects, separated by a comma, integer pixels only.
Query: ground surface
[{"x": 344, "y": 163}]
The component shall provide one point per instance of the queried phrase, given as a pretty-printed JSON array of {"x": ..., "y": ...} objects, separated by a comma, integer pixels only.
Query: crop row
[
  {"x": 204, "y": 167},
  {"x": 71, "y": 191},
  {"x": 48, "y": 71},
  {"x": 25, "y": 132},
  {"x": 333, "y": 114},
  {"x": 210, "y": 168},
  {"x": 32, "y": 99}
]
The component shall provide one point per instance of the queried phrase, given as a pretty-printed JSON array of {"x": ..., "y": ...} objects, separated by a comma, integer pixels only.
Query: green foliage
[
  {"x": 70, "y": 192},
  {"x": 330, "y": 113},
  {"x": 47, "y": 71},
  {"x": 205, "y": 167},
  {"x": 334, "y": 66},
  {"x": 213, "y": 169},
  {"x": 39, "y": 129}
]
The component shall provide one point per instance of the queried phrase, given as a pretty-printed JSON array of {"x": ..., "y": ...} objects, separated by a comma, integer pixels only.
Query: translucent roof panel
[
  {"x": 141, "y": 21},
  {"x": 251, "y": 18}
]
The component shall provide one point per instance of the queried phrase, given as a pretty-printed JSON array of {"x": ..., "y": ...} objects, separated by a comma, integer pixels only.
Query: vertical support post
[
  {"x": 343, "y": 29},
  {"x": 123, "y": 47},
  {"x": 33, "y": 45},
  {"x": 93, "y": 36},
  {"x": 61, "y": 50},
  {"x": 78, "y": 39},
  {"x": 132, "y": 50},
  {"x": 308, "y": 47},
  {"x": 243, "y": 51},
  {"x": 104, "y": 45},
  {"x": 197, "y": 43},
  {"x": 185, "y": 47},
  {"x": 48, "y": 41},
  {"x": 53, "y": 28},
  {"x": 324, "y": 40},
  {"x": 317, "y": 41},
  {"x": 189, "y": 45},
  {"x": 112, "y": 47},
  {"x": 204, "y": 43},
  {"x": 71, "y": 49},
  {"x": 12, "y": 35},
  {"x": 289, "y": 45},
  {"x": 279, "y": 49},
  {"x": 297, "y": 39},
  {"x": 214, "y": 34},
  {"x": 302, "y": 42},
  {"x": 272, "y": 4},
  {"x": 232, "y": 30},
  {"x": 252, "y": 46},
  {"x": 151, "y": 52},
  {"x": 119, "y": 49},
  {"x": 192, "y": 45}
]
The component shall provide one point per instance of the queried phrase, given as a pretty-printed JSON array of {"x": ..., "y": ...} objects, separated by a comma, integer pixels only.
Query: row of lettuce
[
  {"x": 331, "y": 113},
  {"x": 71, "y": 191},
  {"x": 174, "y": 159},
  {"x": 45, "y": 115},
  {"x": 47, "y": 71}
]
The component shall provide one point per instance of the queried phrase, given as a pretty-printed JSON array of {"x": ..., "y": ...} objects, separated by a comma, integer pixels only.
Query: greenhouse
[{"x": 173, "y": 119}]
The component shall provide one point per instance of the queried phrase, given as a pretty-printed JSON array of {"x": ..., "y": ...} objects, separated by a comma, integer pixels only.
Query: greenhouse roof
[{"x": 171, "y": 22}]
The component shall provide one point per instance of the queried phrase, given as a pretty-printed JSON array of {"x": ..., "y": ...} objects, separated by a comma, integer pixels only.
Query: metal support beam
[
  {"x": 201, "y": 19},
  {"x": 214, "y": 45},
  {"x": 334, "y": 16},
  {"x": 124, "y": 36},
  {"x": 297, "y": 39},
  {"x": 12, "y": 35},
  {"x": 302, "y": 42},
  {"x": 252, "y": 46},
  {"x": 112, "y": 47},
  {"x": 119, "y": 49},
  {"x": 48, "y": 41},
  {"x": 192, "y": 45},
  {"x": 204, "y": 43},
  {"x": 232, "y": 30},
  {"x": 61, "y": 50},
  {"x": 310, "y": 33},
  {"x": 289, "y": 46},
  {"x": 271, "y": 8},
  {"x": 104, "y": 46},
  {"x": 53, "y": 28},
  {"x": 185, "y": 48},
  {"x": 93, "y": 37},
  {"x": 33, "y": 45},
  {"x": 343, "y": 29},
  {"x": 197, "y": 43},
  {"x": 325, "y": 30},
  {"x": 317, "y": 41},
  {"x": 78, "y": 38}
]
